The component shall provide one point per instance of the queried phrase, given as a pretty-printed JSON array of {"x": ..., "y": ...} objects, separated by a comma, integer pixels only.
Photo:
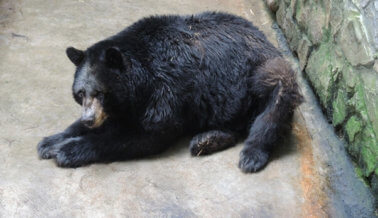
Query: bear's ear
[
  {"x": 75, "y": 55},
  {"x": 114, "y": 58}
]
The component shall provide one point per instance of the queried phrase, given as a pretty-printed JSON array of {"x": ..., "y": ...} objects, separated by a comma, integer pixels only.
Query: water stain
[{"x": 315, "y": 199}]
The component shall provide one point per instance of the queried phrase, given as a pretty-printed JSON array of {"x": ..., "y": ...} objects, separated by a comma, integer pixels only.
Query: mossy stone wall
[{"x": 336, "y": 42}]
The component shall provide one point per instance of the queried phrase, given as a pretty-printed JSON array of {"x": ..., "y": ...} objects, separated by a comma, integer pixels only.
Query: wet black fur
[{"x": 213, "y": 76}]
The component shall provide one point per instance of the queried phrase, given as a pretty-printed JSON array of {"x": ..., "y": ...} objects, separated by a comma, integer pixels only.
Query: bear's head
[{"x": 97, "y": 82}]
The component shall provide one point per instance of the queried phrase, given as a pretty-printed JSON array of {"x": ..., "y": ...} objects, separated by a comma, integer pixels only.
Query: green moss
[
  {"x": 339, "y": 108},
  {"x": 362, "y": 139},
  {"x": 323, "y": 68},
  {"x": 370, "y": 140},
  {"x": 368, "y": 160},
  {"x": 359, "y": 172},
  {"x": 319, "y": 72},
  {"x": 353, "y": 127},
  {"x": 333, "y": 70},
  {"x": 369, "y": 150},
  {"x": 350, "y": 78},
  {"x": 358, "y": 101},
  {"x": 298, "y": 7},
  {"x": 354, "y": 149},
  {"x": 370, "y": 83}
]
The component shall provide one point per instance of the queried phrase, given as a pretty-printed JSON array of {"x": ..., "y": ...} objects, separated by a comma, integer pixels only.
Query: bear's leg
[
  {"x": 108, "y": 146},
  {"x": 210, "y": 142},
  {"x": 274, "y": 82},
  {"x": 48, "y": 147}
]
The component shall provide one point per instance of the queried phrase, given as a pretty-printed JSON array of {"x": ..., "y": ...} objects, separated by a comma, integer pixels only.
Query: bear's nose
[{"x": 88, "y": 121}]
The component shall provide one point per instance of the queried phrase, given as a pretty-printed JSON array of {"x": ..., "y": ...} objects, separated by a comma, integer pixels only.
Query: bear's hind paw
[{"x": 253, "y": 160}]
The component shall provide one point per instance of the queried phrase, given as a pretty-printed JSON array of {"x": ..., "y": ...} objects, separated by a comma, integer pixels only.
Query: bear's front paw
[
  {"x": 48, "y": 147},
  {"x": 203, "y": 144},
  {"x": 75, "y": 153},
  {"x": 252, "y": 159},
  {"x": 65, "y": 159}
]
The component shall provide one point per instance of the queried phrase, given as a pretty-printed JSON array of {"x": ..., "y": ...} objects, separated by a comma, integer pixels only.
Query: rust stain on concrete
[{"x": 315, "y": 199}]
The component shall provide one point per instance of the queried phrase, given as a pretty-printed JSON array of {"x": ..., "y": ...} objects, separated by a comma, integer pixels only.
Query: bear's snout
[
  {"x": 88, "y": 120},
  {"x": 93, "y": 114}
]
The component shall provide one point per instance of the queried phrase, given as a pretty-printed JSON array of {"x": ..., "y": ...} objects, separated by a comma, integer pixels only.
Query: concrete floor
[{"x": 35, "y": 101}]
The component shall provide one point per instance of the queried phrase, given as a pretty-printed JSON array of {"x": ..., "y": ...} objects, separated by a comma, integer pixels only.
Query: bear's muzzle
[{"x": 93, "y": 114}]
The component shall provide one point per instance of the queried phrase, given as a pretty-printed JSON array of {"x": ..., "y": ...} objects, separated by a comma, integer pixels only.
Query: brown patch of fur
[
  {"x": 99, "y": 113},
  {"x": 278, "y": 72}
]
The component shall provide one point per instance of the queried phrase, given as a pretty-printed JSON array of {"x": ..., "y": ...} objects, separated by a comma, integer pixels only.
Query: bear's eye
[{"x": 80, "y": 94}]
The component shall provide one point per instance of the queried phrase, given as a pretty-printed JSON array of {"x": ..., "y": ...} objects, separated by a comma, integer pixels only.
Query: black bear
[{"x": 213, "y": 76}]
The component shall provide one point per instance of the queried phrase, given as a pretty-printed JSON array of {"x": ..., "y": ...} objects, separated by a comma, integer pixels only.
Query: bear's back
[{"x": 206, "y": 60}]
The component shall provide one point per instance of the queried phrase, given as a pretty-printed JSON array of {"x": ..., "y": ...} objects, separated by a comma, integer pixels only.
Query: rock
[
  {"x": 342, "y": 69},
  {"x": 312, "y": 18},
  {"x": 318, "y": 24},
  {"x": 303, "y": 51},
  {"x": 293, "y": 5},
  {"x": 339, "y": 108},
  {"x": 289, "y": 27},
  {"x": 374, "y": 185},
  {"x": 350, "y": 79},
  {"x": 352, "y": 40},
  {"x": 320, "y": 74},
  {"x": 300, "y": 14},
  {"x": 370, "y": 141},
  {"x": 336, "y": 16},
  {"x": 370, "y": 84},
  {"x": 273, "y": 5},
  {"x": 327, "y": 6},
  {"x": 370, "y": 19},
  {"x": 358, "y": 101},
  {"x": 368, "y": 160},
  {"x": 352, "y": 127},
  {"x": 323, "y": 68},
  {"x": 281, "y": 13},
  {"x": 361, "y": 132}
]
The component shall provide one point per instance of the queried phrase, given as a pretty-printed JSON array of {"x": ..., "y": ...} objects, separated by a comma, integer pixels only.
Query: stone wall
[{"x": 336, "y": 42}]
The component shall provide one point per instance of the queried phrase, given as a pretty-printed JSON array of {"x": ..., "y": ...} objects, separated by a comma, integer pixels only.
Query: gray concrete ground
[{"x": 35, "y": 101}]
